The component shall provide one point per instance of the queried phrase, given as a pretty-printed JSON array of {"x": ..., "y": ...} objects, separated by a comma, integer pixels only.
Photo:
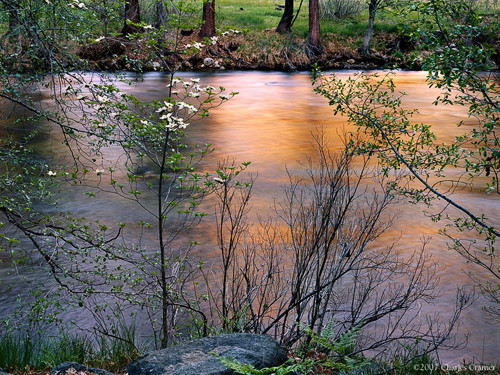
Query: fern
[
  {"x": 342, "y": 348},
  {"x": 302, "y": 367}
]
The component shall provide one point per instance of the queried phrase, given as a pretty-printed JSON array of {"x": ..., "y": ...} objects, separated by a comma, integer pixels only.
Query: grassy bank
[
  {"x": 27, "y": 354},
  {"x": 259, "y": 46},
  {"x": 34, "y": 356}
]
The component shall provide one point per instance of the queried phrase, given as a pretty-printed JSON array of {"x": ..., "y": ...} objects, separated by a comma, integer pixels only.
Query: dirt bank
[{"x": 265, "y": 51}]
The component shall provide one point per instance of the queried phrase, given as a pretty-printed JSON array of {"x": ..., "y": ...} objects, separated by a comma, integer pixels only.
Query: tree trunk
[
  {"x": 365, "y": 47},
  {"x": 313, "y": 39},
  {"x": 208, "y": 27},
  {"x": 132, "y": 14},
  {"x": 285, "y": 25},
  {"x": 13, "y": 21},
  {"x": 13, "y": 30},
  {"x": 160, "y": 14}
]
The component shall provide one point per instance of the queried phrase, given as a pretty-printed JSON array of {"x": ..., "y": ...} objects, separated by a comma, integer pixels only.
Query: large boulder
[{"x": 197, "y": 357}]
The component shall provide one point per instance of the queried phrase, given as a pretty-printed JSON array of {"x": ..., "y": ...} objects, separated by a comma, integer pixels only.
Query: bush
[{"x": 340, "y": 9}]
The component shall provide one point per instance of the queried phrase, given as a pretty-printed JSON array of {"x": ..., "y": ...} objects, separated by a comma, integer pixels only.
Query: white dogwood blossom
[
  {"x": 196, "y": 45},
  {"x": 172, "y": 122},
  {"x": 168, "y": 107},
  {"x": 188, "y": 107}
]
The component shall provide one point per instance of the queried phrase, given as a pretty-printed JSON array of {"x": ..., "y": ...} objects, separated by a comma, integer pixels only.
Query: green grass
[
  {"x": 259, "y": 15},
  {"x": 18, "y": 352}
]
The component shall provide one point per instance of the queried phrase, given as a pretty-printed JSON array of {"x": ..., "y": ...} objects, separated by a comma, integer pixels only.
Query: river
[{"x": 270, "y": 123}]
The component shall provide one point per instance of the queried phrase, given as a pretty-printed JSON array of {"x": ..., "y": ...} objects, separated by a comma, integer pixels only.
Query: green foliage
[
  {"x": 371, "y": 103},
  {"x": 303, "y": 367},
  {"x": 322, "y": 353},
  {"x": 91, "y": 265},
  {"x": 461, "y": 68},
  {"x": 19, "y": 352}
]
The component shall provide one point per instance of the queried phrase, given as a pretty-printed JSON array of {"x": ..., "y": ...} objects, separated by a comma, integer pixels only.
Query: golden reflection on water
[{"x": 271, "y": 123}]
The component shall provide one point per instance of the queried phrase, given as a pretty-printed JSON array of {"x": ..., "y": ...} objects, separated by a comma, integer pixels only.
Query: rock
[
  {"x": 351, "y": 61},
  {"x": 2, "y": 372},
  {"x": 208, "y": 61},
  {"x": 196, "y": 358},
  {"x": 64, "y": 367}
]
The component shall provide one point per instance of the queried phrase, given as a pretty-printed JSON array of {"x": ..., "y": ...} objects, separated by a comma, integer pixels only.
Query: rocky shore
[
  {"x": 198, "y": 357},
  {"x": 235, "y": 52}
]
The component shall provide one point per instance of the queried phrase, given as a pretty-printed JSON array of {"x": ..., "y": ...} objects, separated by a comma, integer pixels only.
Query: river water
[{"x": 270, "y": 124}]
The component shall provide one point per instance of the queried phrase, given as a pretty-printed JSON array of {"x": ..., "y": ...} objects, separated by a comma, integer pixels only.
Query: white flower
[
  {"x": 50, "y": 173},
  {"x": 224, "y": 97},
  {"x": 147, "y": 27},
  {"x": 99, "y": 39},
  {"x": 198, "y": 45},
  {"x": 168, "y": 107},
  {"x": 81, "y": 97},
  {"x": 99, "y": 171},
  {"x": 214, "y": 39},
  {"x": 219, "y": 180},
  {"x": 209, "y": 88},
  {"x": 187, "y": 106},
  {"x": 194, "y": 94},
  {"x": 195, "y": 80}
]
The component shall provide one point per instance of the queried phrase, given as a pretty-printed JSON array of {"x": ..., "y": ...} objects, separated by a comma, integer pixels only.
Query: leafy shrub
[{"x": 340, "y": 9}]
